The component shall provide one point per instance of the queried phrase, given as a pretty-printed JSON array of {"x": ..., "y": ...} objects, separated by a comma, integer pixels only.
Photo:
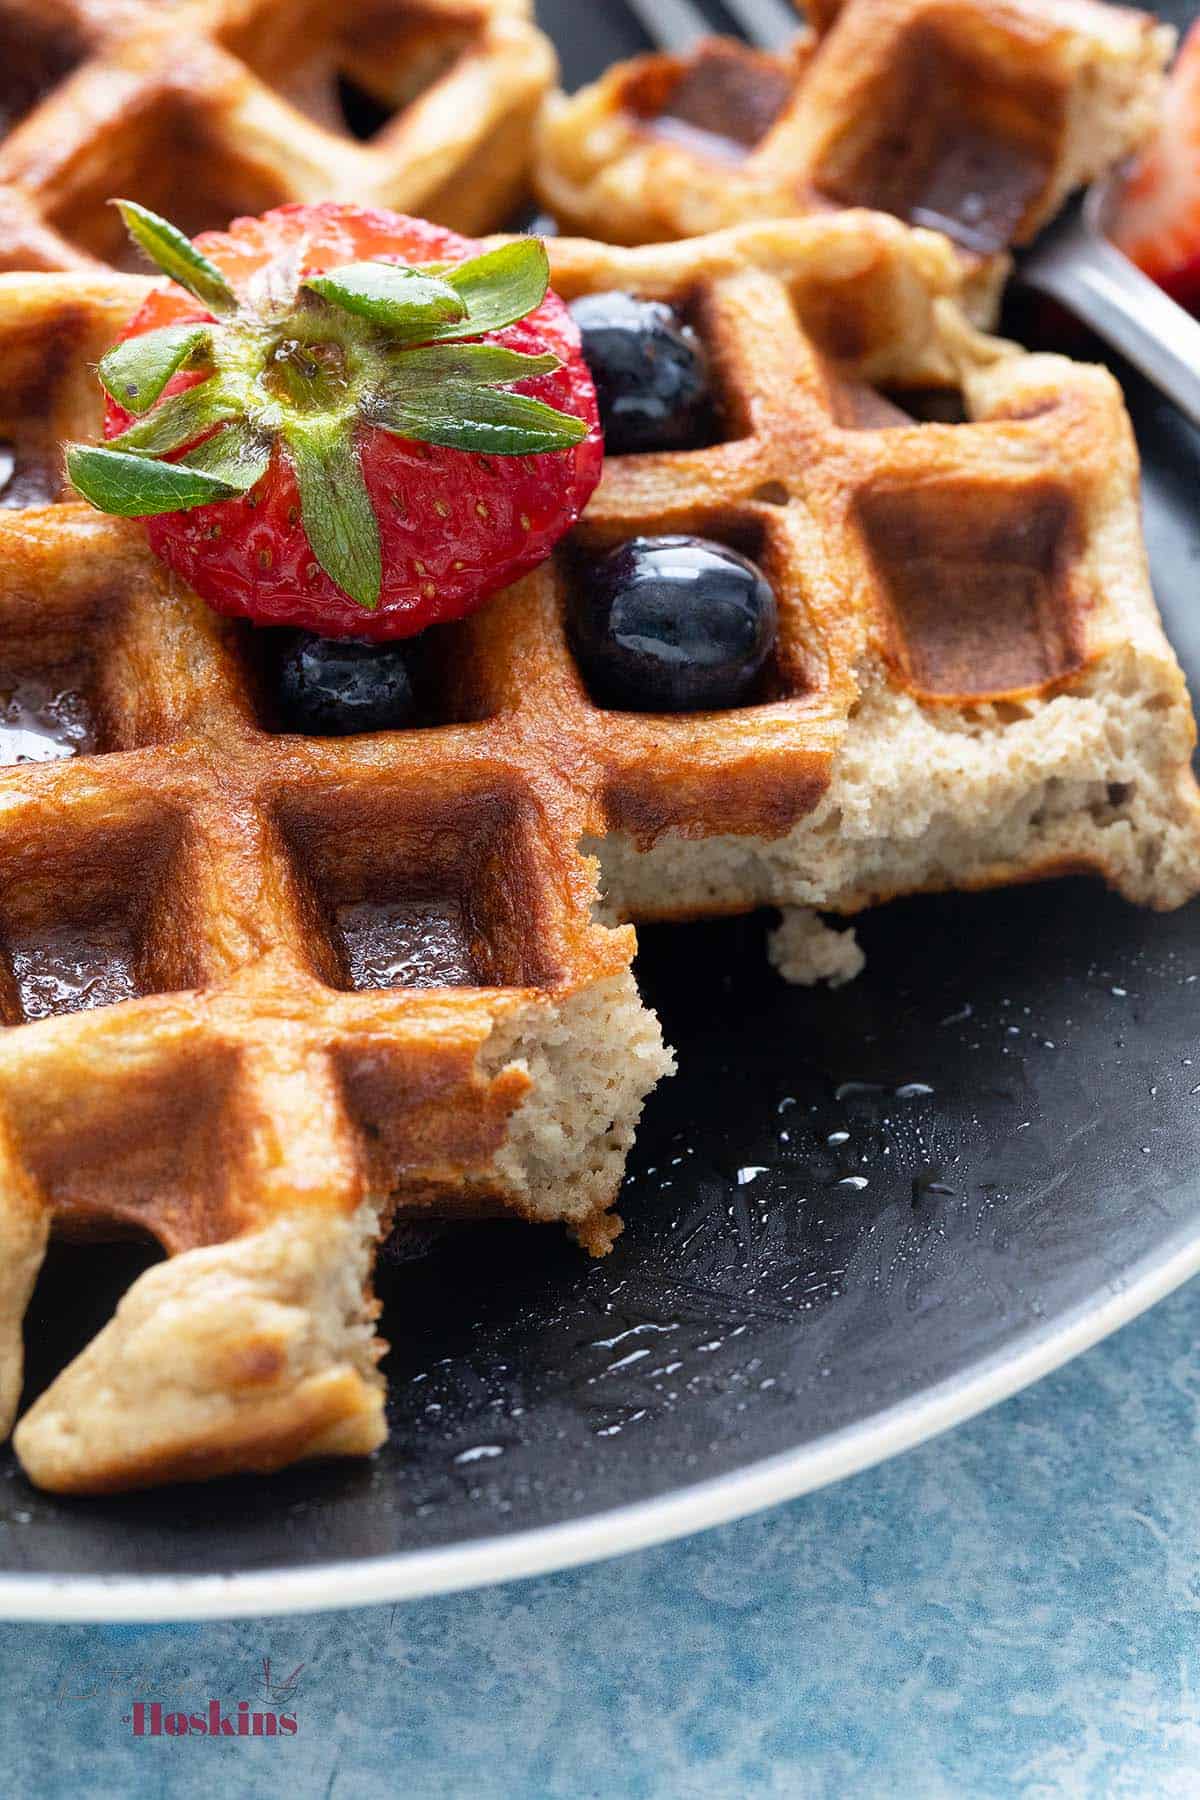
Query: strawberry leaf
[
  {"x": 488, "y": 420},
  {"x": 134, "y": 487},
  {"x": 339, "y": 520},
  {"x": 178, "y": 421},
  {"x": 499, "y": 287},
  {"x": 176, "y": 256},
  {"x": 236, "y": 456},
  {"x": 136, "y": 372},
  {"x": 475, "y": 365},
  {"x": 404, "y": 300}
]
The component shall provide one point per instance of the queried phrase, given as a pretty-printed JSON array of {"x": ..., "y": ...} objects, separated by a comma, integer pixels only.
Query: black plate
[{"x": 846, "y": 1205}]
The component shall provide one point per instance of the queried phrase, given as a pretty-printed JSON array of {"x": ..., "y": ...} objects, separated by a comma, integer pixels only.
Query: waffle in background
[
  {"x": 976, "y": 118},
  {"x": 210, "y": 108}
]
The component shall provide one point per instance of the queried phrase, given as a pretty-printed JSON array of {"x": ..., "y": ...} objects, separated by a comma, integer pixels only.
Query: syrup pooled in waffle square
[
  {"x": 261, "y": 993},
  {"x": 210, "y": 108},
  {"x": 977, "y": 118}
]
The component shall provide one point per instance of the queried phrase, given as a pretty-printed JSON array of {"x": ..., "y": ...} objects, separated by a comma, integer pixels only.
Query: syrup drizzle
[
  {"x": 44, "y": 717},
  {"x": 26, "y": 480},
  {"x": 407, "y": 943},
  {"x": 71, "y": 970}
]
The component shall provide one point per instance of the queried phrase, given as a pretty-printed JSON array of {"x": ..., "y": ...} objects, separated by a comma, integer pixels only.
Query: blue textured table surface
[{"x": 1013, "y": 1609}]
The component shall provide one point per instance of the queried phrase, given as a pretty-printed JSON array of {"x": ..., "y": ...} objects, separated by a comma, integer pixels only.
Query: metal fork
[
  {"x": 1074, "y": 260},
  {"x": 678, "y": 24}
]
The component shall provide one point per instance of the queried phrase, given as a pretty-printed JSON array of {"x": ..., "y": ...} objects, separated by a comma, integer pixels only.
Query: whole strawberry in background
[
  {"x": 344, "y": 419},
  {"x": 1156, "y": 221}
]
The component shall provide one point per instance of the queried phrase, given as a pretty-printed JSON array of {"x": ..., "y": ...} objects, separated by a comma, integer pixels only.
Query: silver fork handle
[
  {"x": 674, "y": 25},
  {"x": 679, "y": 24},
  {"x": 1076, "y": 263}
]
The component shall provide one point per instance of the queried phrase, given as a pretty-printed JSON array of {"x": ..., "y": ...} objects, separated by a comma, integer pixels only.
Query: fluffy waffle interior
[
  {"x": 209, "y": 108},
  {"x": 200, "y": 915},
  {"x": 977, "y": 118}
]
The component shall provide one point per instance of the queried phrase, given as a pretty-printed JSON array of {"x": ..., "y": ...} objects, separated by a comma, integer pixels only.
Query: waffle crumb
[{"x": 805, "y": 950}]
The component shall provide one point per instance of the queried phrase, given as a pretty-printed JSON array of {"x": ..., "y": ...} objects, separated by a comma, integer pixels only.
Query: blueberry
[
  {"x": 331, "y": 687},
  {"x": 650, "y": 371},
  {"x": 672, "y": 624}
]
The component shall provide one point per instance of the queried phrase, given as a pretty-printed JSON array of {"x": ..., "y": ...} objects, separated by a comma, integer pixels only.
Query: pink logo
[{"x": 150, "y": 1718}]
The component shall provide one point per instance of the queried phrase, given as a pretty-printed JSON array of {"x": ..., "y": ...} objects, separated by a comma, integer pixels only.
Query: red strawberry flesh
[{"x": 454, "y": 526}]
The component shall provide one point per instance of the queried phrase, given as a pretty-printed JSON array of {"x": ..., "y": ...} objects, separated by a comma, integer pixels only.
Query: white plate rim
[{"x": 484, "y": 1562}]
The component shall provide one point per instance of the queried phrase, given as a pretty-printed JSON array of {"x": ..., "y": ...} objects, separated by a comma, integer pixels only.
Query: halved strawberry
[{"x": 1157, "y": 219}]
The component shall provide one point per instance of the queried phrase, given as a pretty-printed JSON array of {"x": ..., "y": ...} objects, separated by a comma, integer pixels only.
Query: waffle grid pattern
[
  {"x": 977, "y": 119},
  {"x": 226, "y": 848},
  {"x": 849, "y": 503},
  {"x": 210, "y": 108},
  {"x": 248, "y": 1085}
]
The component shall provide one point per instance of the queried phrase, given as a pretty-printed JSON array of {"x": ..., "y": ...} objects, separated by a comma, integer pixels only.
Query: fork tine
[
  {"x": 771, "y": 24},
  {"x": 671, "y": 24}
]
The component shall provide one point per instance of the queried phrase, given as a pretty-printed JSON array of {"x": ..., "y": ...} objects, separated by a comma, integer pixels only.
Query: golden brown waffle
[
  {"x": 231, "y": 907},
  {"x": 972, "y": 686},
  {"x": 209, "y": 108},
  {"x": 973, "y": 116}
]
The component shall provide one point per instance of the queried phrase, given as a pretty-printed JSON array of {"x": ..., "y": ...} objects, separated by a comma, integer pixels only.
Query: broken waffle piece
[
  {"x": 972, "y": 682},
  {"x": 976, "y": 119},
  {"x": 242, "y": 1356},
  {"x": 251, "y": 977}
]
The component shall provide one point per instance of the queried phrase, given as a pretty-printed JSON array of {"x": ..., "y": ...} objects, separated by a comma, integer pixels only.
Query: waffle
[
  {"x": 972, "y": 687},
  {"x": 977, "y": 118},
  {"x": 210, "y": 108},
  {"x": 973, "y": 684},
  {"x": 202, "y": 920}
]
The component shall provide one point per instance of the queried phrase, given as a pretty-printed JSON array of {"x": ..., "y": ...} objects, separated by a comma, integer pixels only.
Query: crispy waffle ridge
[
  {"x": 264, "y": 993},
  {"x": 208, "y": 108},
  {"x": 972, "y": 687},
  {"x": 977, "y": 117},
  {"x": 973, "y": 684}
]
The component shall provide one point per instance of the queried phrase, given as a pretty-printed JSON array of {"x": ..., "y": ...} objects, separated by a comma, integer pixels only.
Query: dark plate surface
[{"x": 844, "y": 1202}]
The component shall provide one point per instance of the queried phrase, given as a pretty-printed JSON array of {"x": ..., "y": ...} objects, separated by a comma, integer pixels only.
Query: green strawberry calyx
[{"x": 380, "y": 345}]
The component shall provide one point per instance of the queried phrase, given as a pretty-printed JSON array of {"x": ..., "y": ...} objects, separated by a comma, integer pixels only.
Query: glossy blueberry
[
  {"x": 330, "y": 687},
  {"x": 650, "y": 370},
  {"x": 672, "y": 624}
]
